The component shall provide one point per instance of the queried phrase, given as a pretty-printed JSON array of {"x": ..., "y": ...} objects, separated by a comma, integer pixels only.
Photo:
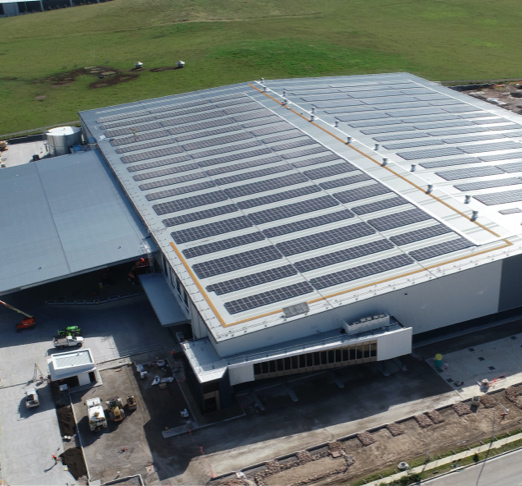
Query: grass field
[{"x": 229, "y": 41}]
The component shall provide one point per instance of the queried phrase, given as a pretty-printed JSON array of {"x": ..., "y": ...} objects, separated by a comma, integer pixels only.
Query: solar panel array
[{"x": 255, "y": 204}]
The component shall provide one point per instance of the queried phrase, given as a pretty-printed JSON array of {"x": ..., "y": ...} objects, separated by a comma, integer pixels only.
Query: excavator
[{"x": 27, "y": 323}]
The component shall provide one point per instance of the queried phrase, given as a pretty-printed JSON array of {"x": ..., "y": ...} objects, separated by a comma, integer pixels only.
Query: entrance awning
[{"x": 163, "y": 302}]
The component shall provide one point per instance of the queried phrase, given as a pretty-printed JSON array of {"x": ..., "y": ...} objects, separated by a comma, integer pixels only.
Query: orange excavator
[{"x": 27, "y": 323}]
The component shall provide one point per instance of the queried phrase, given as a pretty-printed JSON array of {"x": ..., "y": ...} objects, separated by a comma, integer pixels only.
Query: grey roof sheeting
[
  {"x": 259, "y": 205},
  {"x": 63, "y": 216}
]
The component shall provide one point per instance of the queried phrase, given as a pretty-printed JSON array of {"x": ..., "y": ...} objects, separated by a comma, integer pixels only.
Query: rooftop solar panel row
[
  {"x": 252, "y": 280},
  {"x": 199, "y": 215},
  {"x": 270, "y": 297},
  {"x": 221, "y": 245},
  {"x": 209, "y": 230},
  {"x": 176, "y": 191}
]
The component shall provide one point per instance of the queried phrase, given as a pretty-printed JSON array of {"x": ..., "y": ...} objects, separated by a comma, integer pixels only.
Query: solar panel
[
  {"x": 447, "y": 124},
  {"x": 163, "y": 162},
  {"x": 249, "y": 106},
  {"x": 189, "y": 202},
  {"x": 493, "y": 158},
  {"x": 489, "y": 147},
  {"x": 212, "y": 142},
  {"x": 343, "y": 255},
  {"x": 266, "y": 185},
  {"x": 417, "y": 143},
  {"x": 440, "y": 249},
  {"x": 375, "y": 123},
  {"x": 274, "y": 128},
  {"x": 163, "y": 172},
  {"x": 179, "y": 190},
  {"x": 257, "y": 122},
  {"x": 171, "y": 181},
  {"x": 330, "y": 170},
  {"x": 195, "y": 126},
  {"x": 400, "y": 136},
  {"x": 345, "y": 181},
  {"x": 316, "y": 160},
  {"x": 397, "y": 220},
  {"x": 267, "y": 298},
  {"x": 283, "y": 136},
  {"x": 198, "y": 215},
  {"x": 515, "y": 167},
  {"x": 361, "y": 193},
  {"x": 197, "y": 117},
  {"x": 280, "y": 196},
  {"x": 419, "y": 235},
  {"x": 251, "y": 115},
  {"x": 207, "y": 133},
  {"x": 252, "y": 280},
  {"x": 221, "y": 245},
  {"x": 510, "y": 211},
  {"x": 128, "y": 159},
  {"x": 478, "y": 138},
  {"x": 233, "y": 157},
  {"x": 226, "y": 149},
  {"x": 372, "y": 115},
  {"x": 308, "y": 223},
  {"x": 361, "y": 271},
  {"x": 290, "y": 210},
  {"x": 476, "y": 186},
  {"x": 254, "y": 174},
  {"x": 139, "y": 138},
  {"x": 325, "y": 238},
  {"x": 127, "y": 121},
  {"x": 133, "y": 129},
  {"x": 237, "y": 261},
  {"x": 500, "y": 197},
  {"x": 449, "y": 162},
  {"x": 379, "y": 205},
  {"x": 291, "y": 145},
  {"x": 391, "y": 129},
  {"x": 429, "y": 153},
  {"x": 243, "y": 165},
  {"x": 452, "y": 175},
  {"x": 211, "y": 229},
  {"x": 305, "y": 152}
]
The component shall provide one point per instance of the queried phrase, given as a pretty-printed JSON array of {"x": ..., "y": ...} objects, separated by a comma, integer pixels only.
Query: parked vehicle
[
  {"x": 70, "y": 331},
  {"x": 27, "y": 323},
  {"x": 115, "y": 407},
  {"x": 68, "y": 341},
  {"x": 31, "y": 398},
  {"x": 97, "y": 420},
  {"x": 131, "y": 403}
]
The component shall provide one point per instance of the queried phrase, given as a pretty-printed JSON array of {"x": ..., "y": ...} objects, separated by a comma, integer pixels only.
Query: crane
[{"x": 27, "y": 323}]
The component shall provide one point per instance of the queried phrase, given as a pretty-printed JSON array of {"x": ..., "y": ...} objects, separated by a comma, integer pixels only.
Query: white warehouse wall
[
  {"x": 241, "y": 374},
  {"x": 394, "y": 344},
  {"x": 440, "y": 302}
]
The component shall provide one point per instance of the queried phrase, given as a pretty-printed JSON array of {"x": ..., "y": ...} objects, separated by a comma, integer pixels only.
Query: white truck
[
  {"x": 96, "y": 415},
  {"x": 68, "y": 341},
  {"x": 31, "y": 398}
]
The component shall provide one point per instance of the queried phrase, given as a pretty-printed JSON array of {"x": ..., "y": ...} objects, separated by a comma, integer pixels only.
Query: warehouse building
[{"x": 307, "y": 224}]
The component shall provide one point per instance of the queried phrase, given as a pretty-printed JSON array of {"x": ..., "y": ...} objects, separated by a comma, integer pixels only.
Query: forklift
[{"x": 27, "y": 323}]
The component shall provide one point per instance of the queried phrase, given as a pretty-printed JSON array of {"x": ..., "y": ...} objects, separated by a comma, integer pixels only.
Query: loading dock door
[{"x": 163, "y": 302}]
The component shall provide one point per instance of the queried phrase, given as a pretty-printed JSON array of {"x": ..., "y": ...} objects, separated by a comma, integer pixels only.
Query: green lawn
[{"x": 229, "y": 41}]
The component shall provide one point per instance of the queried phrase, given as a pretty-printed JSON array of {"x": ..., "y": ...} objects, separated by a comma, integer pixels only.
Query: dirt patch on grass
[{"x": 106, "y": 76}]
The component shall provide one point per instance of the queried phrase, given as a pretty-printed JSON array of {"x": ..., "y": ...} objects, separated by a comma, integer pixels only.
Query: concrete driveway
[{"x": 29, "y": 438}]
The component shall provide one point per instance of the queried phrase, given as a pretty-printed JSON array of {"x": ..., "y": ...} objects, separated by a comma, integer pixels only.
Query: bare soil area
[
  {"x": 505, "y": 95},
  {"x": 427, "y": 435}
]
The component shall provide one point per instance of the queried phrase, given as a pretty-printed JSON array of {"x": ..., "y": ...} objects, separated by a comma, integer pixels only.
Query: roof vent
[
  {"x": 313, "y": 109},
  {"x": 430, "y": 188},
  {"x": 467, "y": 199},
  {"x": 336, "y": 123},
  {"x": 376, "y": 147},
  {"x": 348, "y": 140},
  {"x": 474, "y": 216},
  {"x": 312, "y": 117},
  {"x": 384, "y": 161},
  {"x": 413, "y": 168}
]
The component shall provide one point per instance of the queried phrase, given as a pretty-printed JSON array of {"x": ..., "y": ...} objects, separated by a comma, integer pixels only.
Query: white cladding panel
[
  {"x": 430, "y": 305},
  {"x": 241, "y": 374},
  {"x": 394, "y": 344}
]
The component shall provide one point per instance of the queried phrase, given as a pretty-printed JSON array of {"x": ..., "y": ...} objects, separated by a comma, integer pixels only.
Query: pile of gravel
[
  {"x": 461, "y": 409},
  {"x": 366, "y": 439},
  {"x": 436, "y": 417},
  {"x": 395, "y": 429},
  {"x": 423, "y": 420}
]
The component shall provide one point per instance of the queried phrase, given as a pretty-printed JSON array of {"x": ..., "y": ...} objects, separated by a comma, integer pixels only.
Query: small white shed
[{"x": 77, "y": 363}]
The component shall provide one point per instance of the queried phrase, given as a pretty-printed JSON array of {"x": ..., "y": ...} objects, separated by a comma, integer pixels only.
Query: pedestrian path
[{"x": 433, "y": 465}]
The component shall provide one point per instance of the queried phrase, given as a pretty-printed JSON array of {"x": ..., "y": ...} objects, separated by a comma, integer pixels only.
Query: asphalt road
[{"x": 504, "y": 470}]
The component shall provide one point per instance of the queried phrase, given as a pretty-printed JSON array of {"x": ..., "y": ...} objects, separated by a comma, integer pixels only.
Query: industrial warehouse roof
[
  {"x": 266, "y": 212},
  {"x": 63, "y": 216}
]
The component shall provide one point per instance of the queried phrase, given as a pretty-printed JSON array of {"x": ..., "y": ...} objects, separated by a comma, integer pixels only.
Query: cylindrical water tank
[
  {"x": 438, "y": 361},
  {"x": 61, "y": 139}
]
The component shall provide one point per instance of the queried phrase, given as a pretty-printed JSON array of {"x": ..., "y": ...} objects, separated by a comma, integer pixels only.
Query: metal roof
[
  {"x": 315, "y": 192},
  {"x": 63, "y": 216}
]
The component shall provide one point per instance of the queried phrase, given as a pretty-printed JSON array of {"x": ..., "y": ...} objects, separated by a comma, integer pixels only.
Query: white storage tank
[{"x": 61, "y": 139}]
